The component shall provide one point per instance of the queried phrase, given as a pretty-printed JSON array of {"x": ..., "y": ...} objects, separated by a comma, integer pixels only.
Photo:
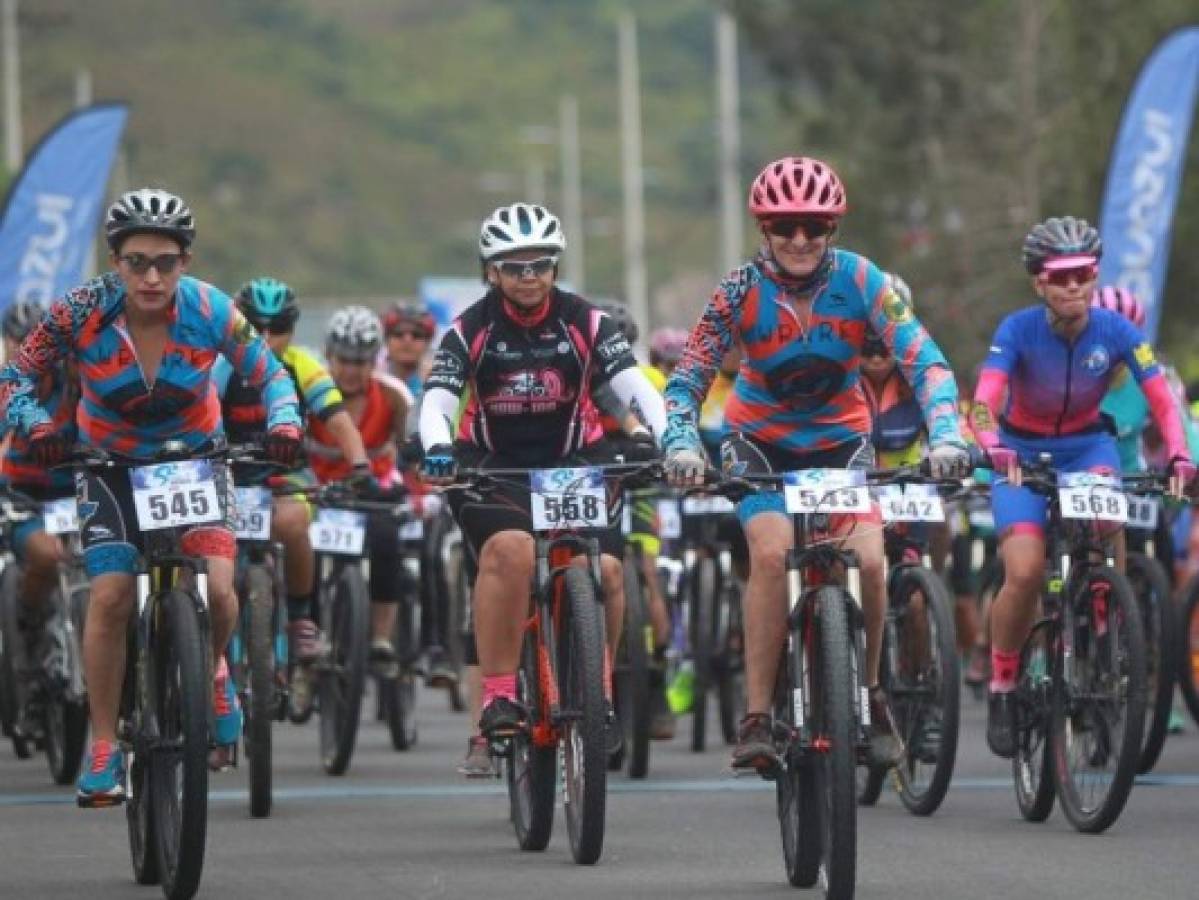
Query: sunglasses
[
  {"x": 1066, "y": 277},
  {"x": 164, "y": 263},
  {"x": 812, "y": 228},
  {"x": 525, "y": 268}
]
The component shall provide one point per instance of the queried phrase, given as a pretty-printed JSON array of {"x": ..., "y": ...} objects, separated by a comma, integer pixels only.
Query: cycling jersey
[
  {"x": 711, "y": 415},
  {"x": 58, "y": 395},
  {"x": 898, "y": 422},
  {"x": 241, "y": 403},
  {"x": 386, "y": 401},
  {"x": 117, "y": 409},
  {"x": 530, "y": 386},
  {"x": 799, "y": 384}
]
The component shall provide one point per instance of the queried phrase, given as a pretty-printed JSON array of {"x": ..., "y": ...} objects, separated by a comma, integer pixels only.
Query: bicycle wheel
[
  {"x": 1151, "y": 587},
  {"x": 399, "y": 694},
  {"x": 1032, "y": 766},
  {"x": 819, "y": 822},
  {"x": 10, "y": 642},
  {"x": 633, "y": 701},
  {"x": 181, "y": 687},
  {"x": 343, "y": 673},
  {"x": 1188, "y": 662},
  {"x": 262, "y": 706},
  {"x": 923, "y": 689},
  {"x": 581, "y": 685},
  {"x": 730, "y": 687},
  {"x": 533, "y": 758},
  {"x": 139, "y": 817},
  {"x": 66, "y": 711},
  {"x": 1099, "y": 704},
  {"x": 704, "y": 586}
]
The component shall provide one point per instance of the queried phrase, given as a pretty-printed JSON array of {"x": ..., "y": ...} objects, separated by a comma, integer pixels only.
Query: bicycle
[
  {"x": 919, "y": 667},
  {"x": 1080, "y": 695},
  {"x": 258, "y": 649},
  {"x": 1151, "y": 585},
  {"x": 562, "y": 680},
  {"x": 821, "y": 705},
  {"x": 41, "y": 675},
  {"x": 165, "y": 713}
]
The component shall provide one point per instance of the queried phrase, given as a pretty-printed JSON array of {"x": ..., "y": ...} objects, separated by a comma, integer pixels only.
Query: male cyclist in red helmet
[{"x": 801, "y": 310}]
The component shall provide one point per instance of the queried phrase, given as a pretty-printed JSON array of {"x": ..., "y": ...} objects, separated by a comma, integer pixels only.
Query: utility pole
[
  {"x": 13, "y": 139},
  {"x": 636, "y": 294},
  {"x": 731, "y": 227},
  {"x": 574, "y": 265},
  {"x": 83, "y": 88}
]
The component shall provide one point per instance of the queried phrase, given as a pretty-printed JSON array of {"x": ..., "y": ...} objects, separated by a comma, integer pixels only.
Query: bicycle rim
[
  {"x": 1099, "y": 704},
  {"x": 262, "y": 705},
  {"x": 703, "y": 611},
  {"x": 1032, "y": 765}
]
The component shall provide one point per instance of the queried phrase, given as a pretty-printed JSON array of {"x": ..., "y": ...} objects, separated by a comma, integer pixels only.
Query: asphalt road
[{"x": 407, "y": 826}]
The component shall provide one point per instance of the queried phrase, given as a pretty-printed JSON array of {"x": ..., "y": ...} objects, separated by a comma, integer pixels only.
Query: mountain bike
[
  {"x": 563, "y": 678},
  {"x": 1080, "y": 696}
]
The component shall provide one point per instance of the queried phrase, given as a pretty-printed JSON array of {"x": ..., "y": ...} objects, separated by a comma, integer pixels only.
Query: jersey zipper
[{"x": 1066, "y": 402}]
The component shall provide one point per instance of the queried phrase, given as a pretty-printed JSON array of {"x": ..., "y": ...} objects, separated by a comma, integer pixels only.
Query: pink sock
[
  {"x": 498, "y": 686},
  {"x": 1003, "y": 670}
]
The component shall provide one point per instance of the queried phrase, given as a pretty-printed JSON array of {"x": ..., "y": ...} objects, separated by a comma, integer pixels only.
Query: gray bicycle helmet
[
  {"x": 354, "y": 333},
  {"x": 1064, "y": 236},
  {"x": 149, "y": 211}
]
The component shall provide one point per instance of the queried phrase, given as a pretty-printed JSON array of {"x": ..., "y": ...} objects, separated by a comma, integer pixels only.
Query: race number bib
[
  {"x": 910, "y": 503},
  {"x": 707, "y": 506},
  {"x": 1142, "y": 512},
  {"x": 168, "y": 495},
  {"x": 826, "y": 491},
  {"x": 1087, "y": 495},
  {"x": 670, "y": 523},
  {"x": 338, "y": 531},
  {"x": 253, "y": 519},
  {"x": 60, "y": 516},
  {"x": 568, "y": 498}
]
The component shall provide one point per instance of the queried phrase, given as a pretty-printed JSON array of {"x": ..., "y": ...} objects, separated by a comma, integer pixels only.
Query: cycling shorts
[
  {"x": 23, "y": 531},
  {"x": 112, "y": 541},
  {"x": 744, "y": 455},
  {"x": 1021, "y": 510}
]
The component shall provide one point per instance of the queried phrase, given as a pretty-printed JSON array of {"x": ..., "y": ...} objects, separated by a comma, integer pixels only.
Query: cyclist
[
  {"x": 531, "y": 354},
  {"x": 665, "y": 348},
  {"x": 800, "y": 310},
  {"x": 270, "y": 306},
  {"x": 378, "y": 405},
  {"x": 38, "y": 551},
  {"x": 1055, "y": 361},
  {"x": 145, "y": 338},
  {"x": 409, "y": 328}
]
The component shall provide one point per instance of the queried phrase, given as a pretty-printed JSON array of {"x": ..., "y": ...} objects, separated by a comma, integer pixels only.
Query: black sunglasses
[
  {"x": 523, "y": 268},
  {"x": 164, "y": 263},
  {"x": 811, "y": 227}
]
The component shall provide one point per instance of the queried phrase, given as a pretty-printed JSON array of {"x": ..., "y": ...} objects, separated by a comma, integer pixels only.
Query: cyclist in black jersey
[{"x": 531, "y": 354}]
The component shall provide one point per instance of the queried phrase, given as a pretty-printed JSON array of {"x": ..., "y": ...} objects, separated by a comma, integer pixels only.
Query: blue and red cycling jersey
[
  {"x": 58, "y": 395},
  {"x": 117, "y": 410},
  {"x": 799, "y": 385},
  {"x": 1055, "y": 386}
]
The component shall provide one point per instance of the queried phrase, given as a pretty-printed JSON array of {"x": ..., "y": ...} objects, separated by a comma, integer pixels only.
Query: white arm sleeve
[
  {"x": 437, "y": 411},
  {"x": 631, "y": 386}
]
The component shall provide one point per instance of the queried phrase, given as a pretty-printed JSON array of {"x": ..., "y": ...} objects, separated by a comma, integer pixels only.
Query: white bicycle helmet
[
  {"x": 354, "y": 333},
  {"x": 149, "y": 211},
  {"x": 521, "y": 226}
]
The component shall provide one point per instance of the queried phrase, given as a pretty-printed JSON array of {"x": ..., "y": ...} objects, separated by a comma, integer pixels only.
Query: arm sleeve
[
  {"x": 613, "y": 353},
  {"x": 633, "y": 388},
  {"x": 711, "y": 338},
  {"x": 437, "y": 410},
  {"x": 49, "y": 342},
  {"x": 444, "y": 386},
  {"x": 321, "y": 396},
  {"x": 253, "y": 359},
  {"x": 608, "y": 403},
  {"x": 920, "y": 360},
  {"x": 984, "y": 415},
  {"x": 1139, "y": 356}
]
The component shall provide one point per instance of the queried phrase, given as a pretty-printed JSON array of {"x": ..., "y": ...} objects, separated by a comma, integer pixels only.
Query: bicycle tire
[
  {"x": 1188, "y": 660},
  {"x": 989, "y": 583},
  {"x": 922, "y": 792},
  {"x": 1151, "y": 587},
  {"x": 532, "y": 769},
  {"x": 703, "y": 623},
  {"x": 869, "y": 781},
  {"x": 139, "y": 818},
  {"x": 181, "y": 697},
  {"x": 341, "y": 681},
  {"x": 730, "y": 685},
  {"x": 10, "y": 639},
  {"x": 1122, "y": 618},
  {"x": 399, "y": 710},
  {"x": 458, "y": 623},
  {"x": 633, "y": 698},
  {"x": 263, "y": 704},
  {"x": 1032, "y": 764},
  {"x": 66, "y": 717}
]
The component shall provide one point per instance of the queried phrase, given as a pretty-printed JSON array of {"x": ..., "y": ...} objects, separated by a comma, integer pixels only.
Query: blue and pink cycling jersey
[
  {"x": 117, "y": 409},
  {"x": 799, "y": 385},
  {"x": 1054, "y": 389}
]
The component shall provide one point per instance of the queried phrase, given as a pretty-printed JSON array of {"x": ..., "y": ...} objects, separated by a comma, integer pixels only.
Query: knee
[
  {"x": 612, "y": 574},
  {"x": 1023, "y": 573},
  {"x": 109, "y": 603},
  {"x": 42, "y": 554},
  {"x": 769, "y": 559},
  {"x": 507, "y": 554}
]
